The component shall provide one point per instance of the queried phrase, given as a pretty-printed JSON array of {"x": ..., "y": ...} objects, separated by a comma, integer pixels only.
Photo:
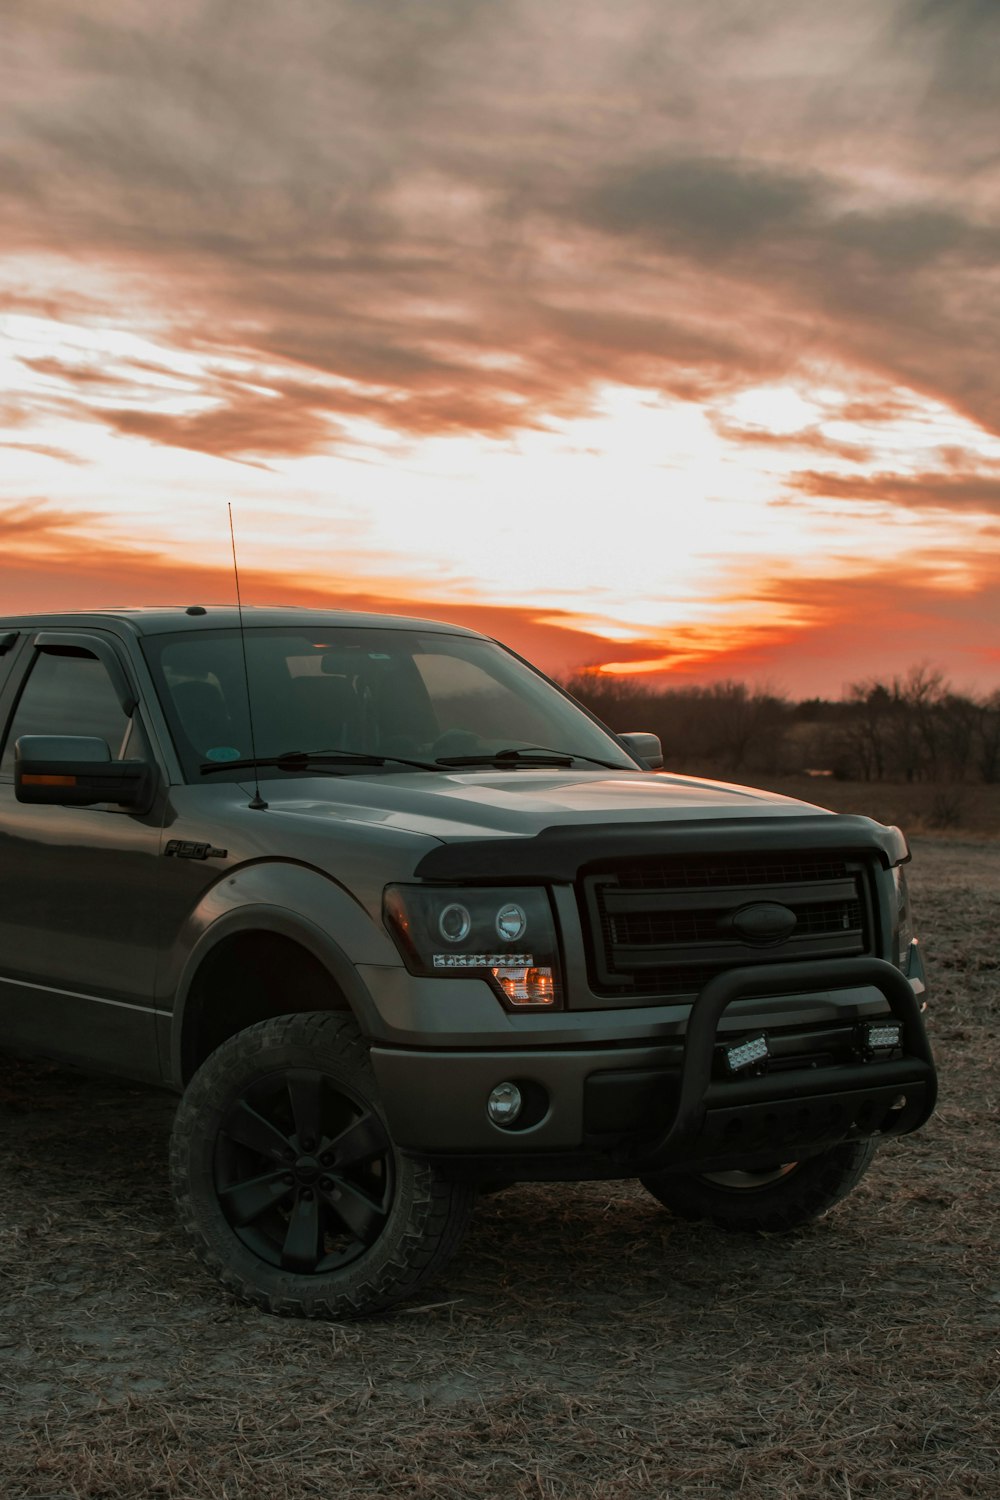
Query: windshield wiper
[
  {"x": 305, "y": 760},
  {"x": 530, "y": 755},
  {"x": 319, "y": 760}
]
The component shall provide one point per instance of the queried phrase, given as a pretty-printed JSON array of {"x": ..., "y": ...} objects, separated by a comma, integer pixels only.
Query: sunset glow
[{"x": 631, "y": 349}]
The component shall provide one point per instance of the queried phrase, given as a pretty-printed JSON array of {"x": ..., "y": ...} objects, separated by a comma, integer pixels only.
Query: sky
[{"x": 657, "y": 337}]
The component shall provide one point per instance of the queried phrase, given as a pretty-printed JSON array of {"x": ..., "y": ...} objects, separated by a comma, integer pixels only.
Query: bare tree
[
  {"x": 911, "y": 727},
  {"x": 867, "y": 733},
  {"x": 989, "y": 737},
  {"x": 918, "y": 697},
  {"x": 959, "y": 719},
  {"x": 897, "y": 727},
  {"x": 743, "y": 721}
]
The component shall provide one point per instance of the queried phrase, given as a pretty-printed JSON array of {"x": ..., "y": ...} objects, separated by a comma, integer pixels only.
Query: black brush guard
[{"x": 745, "y": 1118}]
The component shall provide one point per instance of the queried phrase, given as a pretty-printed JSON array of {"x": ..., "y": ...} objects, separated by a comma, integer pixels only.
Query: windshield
[{"x": 423, "y": 696}]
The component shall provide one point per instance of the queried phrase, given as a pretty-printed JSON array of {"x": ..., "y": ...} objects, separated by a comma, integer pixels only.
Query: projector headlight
[{"x": 505, "y": 936}]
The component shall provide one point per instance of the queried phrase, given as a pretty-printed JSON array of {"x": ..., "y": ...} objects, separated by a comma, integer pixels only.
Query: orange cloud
[
  {"x": 947, "y": 490},
  {"x": 38, "y": 526},
  {"x": 254, "y": 427},
  {"x": 440, "y": 219},
  {"x": 50, "y": 565}
]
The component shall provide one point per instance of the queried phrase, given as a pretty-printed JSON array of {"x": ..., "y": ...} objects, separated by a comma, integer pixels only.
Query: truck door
[{"x": 78, "y": 907}]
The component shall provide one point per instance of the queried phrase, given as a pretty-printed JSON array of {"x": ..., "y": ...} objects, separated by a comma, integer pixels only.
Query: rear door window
[{"x": 66, "y": 694}]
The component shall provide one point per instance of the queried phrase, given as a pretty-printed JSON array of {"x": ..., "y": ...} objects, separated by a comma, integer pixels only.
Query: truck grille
[{"x": 665, "y": 927}]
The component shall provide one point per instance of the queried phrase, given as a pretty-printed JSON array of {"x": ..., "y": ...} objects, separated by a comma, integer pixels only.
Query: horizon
[{"x": 668, "y": 350}]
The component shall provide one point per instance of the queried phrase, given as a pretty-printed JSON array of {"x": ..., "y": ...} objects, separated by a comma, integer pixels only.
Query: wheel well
[{"x": 248, "y": 978}]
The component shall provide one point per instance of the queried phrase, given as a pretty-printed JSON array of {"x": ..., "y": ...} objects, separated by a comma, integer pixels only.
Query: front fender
[{"x": 293, "y": 901}]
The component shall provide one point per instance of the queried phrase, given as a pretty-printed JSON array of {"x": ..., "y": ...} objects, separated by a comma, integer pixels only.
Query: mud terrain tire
[
  {"x": 288, "y": 1184},
  {"x": 774, "y": 1201}
]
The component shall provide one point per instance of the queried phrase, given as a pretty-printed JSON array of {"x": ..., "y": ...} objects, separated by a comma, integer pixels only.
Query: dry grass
[
  {"x": 583, "y": 1345},
  {"x": 923, "y": 808}
]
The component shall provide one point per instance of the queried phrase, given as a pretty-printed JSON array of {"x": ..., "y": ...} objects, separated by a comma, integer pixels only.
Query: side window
[{"x": 66, "y": 694}]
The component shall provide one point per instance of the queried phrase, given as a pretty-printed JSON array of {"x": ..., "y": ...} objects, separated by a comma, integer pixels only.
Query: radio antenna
[{"x": 257, "y": 802}]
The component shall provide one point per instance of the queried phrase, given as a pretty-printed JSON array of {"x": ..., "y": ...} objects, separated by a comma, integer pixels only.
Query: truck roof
[{"x": 161, "y": 618}]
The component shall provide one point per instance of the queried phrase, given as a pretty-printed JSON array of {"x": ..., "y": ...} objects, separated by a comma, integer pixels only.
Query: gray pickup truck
[{"x": 401, "y": 921}]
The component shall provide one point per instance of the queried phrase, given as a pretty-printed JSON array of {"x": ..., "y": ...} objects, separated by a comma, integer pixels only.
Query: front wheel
[
  {"x": 288, "y": 1184},
  {"x": 774, "y": 1200}
]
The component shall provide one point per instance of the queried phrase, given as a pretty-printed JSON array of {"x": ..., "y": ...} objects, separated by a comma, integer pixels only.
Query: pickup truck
[{"x": 400, "y": 922}]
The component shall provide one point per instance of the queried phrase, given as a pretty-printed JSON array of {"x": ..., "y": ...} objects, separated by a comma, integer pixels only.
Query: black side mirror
[
  {"x": 74, "y": 770},
  {"x": 645, "y": 747}
]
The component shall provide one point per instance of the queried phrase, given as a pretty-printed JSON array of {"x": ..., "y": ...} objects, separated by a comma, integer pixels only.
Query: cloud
[
  {"x": 823, "y": 637},
  {"x": 809, "y": 439},
  {"x": 484, "y": 210},
  {"x": 934, "y": 610},
  {"x": 39, "y": 524},
  {"x": 64, "y": 370},
  {"x": 48, "y": 450},
  {"x": 468, "y": 216},
  {"x": 702, "y": 205},
  {"x": 908, "y": 292},
  {"x": 252, "y": 427},
  {"x": 941, "y": 490},
  {"x": 45, "y": 569},
  {"x": 813, "y": 634},
  {"x": 958, "y": 39}
]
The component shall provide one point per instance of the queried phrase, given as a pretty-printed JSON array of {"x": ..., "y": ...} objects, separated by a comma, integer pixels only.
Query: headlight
[
  {"x": 505, "y": 936},
  {"x": 905, "y": 935}
]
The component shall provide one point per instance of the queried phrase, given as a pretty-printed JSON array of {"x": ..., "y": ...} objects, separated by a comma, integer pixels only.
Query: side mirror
[
  {"x": 645, "y": 747},
  {"x": 72, "y": 770}
]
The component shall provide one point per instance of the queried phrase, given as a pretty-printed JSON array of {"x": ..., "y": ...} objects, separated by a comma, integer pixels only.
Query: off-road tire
[
  {"x": 257, "y": 1195},
  {"x": 766, "y": 1202}
]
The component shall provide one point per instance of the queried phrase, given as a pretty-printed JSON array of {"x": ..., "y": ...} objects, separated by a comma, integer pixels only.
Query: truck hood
[{"x": 519, "y": 804}]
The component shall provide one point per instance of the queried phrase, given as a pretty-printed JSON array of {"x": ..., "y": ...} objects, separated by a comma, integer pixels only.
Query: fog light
[{"x": 504, "y": 1104}]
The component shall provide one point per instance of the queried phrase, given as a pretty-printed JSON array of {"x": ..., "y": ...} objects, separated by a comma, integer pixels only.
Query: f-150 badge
[{"x": 184, "y": 849}]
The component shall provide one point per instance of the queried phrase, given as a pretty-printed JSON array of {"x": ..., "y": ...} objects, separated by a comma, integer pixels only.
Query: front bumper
[{"x": 613, "y": 1108}]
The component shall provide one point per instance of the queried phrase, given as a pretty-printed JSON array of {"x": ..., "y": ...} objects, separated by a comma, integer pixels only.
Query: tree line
[{"x": 912, "y": 728}]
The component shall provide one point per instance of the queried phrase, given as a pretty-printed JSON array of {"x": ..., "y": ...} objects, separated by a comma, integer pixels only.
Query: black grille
[
  {"x": 665, "y": 927},
  {"x": 741, "y": 869}
]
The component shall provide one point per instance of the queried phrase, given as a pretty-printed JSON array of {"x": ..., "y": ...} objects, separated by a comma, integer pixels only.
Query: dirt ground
[{"x": 583, "y": 1343}]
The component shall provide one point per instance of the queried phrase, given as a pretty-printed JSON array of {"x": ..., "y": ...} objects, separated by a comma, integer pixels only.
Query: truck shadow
[{"x": 83, "y": 1172}]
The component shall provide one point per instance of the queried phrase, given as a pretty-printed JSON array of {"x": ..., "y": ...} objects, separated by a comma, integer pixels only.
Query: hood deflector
[{"x": 560, "y": 852}]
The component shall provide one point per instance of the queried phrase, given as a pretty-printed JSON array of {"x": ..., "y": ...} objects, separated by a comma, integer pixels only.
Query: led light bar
[
  {"x": 745, "y": 1054},
  {"x": 881, "y": 1036}
]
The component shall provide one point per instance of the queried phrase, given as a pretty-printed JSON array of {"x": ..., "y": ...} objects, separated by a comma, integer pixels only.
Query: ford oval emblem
[{"x": 762, "y": 923}]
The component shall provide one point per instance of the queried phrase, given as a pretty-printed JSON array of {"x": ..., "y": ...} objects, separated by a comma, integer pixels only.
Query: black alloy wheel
[{"x": 304, "y": 1171}]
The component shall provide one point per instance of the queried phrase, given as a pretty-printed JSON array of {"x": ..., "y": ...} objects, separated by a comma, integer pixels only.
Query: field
[
  {"x": 583, "y": 1344},
  {"x": 920, "y": 807}
]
